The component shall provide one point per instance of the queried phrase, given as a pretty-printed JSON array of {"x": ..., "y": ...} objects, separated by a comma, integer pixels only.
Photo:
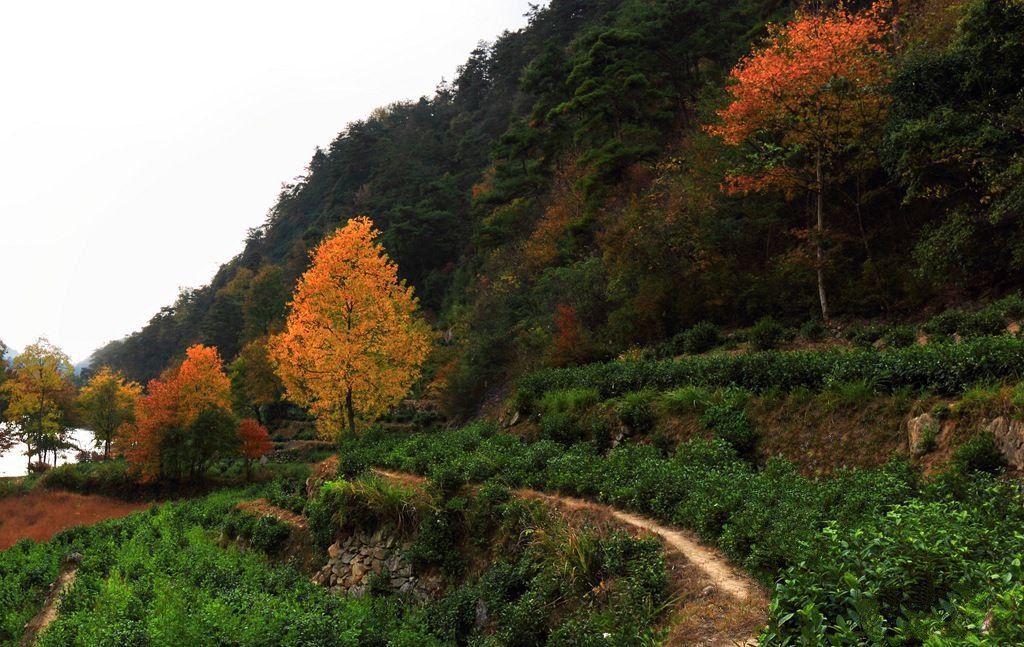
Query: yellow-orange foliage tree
[
  {"x": 354, "y": 341},
  {"x": 106, "y": 403}
]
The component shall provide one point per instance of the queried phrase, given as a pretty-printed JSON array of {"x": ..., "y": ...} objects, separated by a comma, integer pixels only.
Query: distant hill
[{"x": 562, "y": 193}]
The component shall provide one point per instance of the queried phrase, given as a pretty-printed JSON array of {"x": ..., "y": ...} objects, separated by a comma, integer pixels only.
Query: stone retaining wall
[{"x": 358, "y": 557}]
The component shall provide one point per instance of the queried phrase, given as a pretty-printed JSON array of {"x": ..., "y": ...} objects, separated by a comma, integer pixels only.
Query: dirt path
[
  {"x": 714, "y": 604},
  {"x": 46, "y": 615},
  {"x": 707, "y": 560}
]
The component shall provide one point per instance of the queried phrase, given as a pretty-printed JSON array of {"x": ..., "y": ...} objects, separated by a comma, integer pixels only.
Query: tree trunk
[
  {"x": 106, "y": 449},
  {"x": 350, "y": 412},
  {"x": 819, "y": 251}
]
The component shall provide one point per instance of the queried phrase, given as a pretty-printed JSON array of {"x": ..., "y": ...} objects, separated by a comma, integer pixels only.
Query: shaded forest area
[{"x": 563, "y": 198}]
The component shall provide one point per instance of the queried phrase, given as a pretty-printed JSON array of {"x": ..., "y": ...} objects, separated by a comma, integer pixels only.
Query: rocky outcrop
[
  {"x": 921, "y": 432},
  {"x": 1009, "y": 435},
  {"x": 361, "y": 559}
]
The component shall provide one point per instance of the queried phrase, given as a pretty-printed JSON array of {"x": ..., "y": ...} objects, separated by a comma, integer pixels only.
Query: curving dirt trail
[
  {"x": 713, "y": 565},
  {"x": 715, "y": 603}
]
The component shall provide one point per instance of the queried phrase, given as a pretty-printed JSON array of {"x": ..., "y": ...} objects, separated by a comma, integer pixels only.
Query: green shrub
[
  {"x": 979, "y": 454},
  {"x": 865, "y": 335},
  {"x": 110, "y": 478},
  {"x": 685, "y": 399},
  {"x": 859, "y": 582},
  {"x": 1017, "y": 398},
  {"x": 727, "y": 417},
  {"x": 766, "y": 334},
  {"x": 269, "y": 534},
  {"x": 701, "y": 338},
  {"x": 562, "y": 428},
  {"x": 899, "y": 336},
  {"x": 1009, "y": 307},
  {"x": 852, "y": 394},
  {"x": 813, "y": 330},
  {"x": 636, "y": 412},
  {"x": 575, "y": 401},
  {"x": 941, "y": 368},
  {"x": 945, "y": 324}
]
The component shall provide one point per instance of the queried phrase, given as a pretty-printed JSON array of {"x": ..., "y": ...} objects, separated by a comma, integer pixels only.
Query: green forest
[{"x": 677, "y": 322}]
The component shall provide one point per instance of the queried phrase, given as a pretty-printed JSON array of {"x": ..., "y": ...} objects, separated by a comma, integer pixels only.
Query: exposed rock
[
  {"x": 352, "y": 558},
  {"x": 482, "y": 616},
  {"x": 358, "y": 570},
  {"x": 707, "y": 591},
  {"x": 334, "y": 550},
  {"x": 917, "y": 428},
  {"x": 1009, "y": 435}
]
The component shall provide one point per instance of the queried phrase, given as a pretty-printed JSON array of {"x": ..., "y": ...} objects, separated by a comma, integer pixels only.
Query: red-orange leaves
[
  {"x": 816, "y": 85},
  {"x": 254, "y": 438},
  {"x": 172, "y": 405}
]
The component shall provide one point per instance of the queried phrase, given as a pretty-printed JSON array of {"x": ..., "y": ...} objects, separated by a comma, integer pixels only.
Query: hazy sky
[{"x": 140, "y": 140}]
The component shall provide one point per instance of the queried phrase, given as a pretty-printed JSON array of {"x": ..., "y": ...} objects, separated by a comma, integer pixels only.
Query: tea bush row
[{"x": 943, "y": 368}]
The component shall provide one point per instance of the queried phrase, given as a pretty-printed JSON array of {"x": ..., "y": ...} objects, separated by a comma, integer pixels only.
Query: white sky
[{"x": 140, "y": 140}]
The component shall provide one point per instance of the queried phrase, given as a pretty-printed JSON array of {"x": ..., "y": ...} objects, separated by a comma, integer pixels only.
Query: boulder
[
  {"x": 1009, "y": 436},
  {"x": 916, "y": 428}
]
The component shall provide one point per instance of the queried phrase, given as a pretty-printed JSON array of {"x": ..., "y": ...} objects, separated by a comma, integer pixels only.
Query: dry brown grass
[{"x": 41, "y": 514}]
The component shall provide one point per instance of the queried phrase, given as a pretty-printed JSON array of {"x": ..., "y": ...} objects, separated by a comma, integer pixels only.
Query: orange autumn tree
[
  {"x": 255, "y": 442},
  {"x": 183, "y": 421},
  {"x": 811, "y": 104},
  {"x": 354, "y": 341}
]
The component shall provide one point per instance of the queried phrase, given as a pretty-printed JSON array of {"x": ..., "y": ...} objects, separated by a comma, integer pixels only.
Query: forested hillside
[{"x": 580, "y": 188}]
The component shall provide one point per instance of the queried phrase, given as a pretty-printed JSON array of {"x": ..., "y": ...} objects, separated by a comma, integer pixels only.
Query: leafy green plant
[
  {"x": 562, "y": 428},
  {"x": 813, "y": 330},
  {"x": 727, "y": 416},
  {"x": 573, "y": 400},
  {"x": 269, "y": 534},
  {"x": 685, "y": 399},
  {"x": 701, "y": 338},
  {"x": 766, "y": 334},
  {"x": 980, "y": 454},
  {"x": 899, "y": 336},
  {"x": 635, "y": 410}
]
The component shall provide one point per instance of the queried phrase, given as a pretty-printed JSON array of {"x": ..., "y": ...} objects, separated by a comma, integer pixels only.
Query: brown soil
[
  {"x": 41, "y": 514},
  {"x": 821, "y": 436},
  {"x": 264, "y": 508}
]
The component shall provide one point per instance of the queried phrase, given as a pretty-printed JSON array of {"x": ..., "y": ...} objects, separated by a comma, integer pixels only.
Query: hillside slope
[{"x": 560, "y": 200}]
